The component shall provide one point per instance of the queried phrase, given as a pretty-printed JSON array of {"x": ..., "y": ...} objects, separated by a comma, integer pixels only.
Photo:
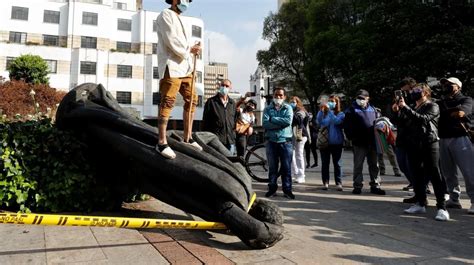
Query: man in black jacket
[
  {"x": 456, "y": 149},
  {"x": 219, "y": 116}
]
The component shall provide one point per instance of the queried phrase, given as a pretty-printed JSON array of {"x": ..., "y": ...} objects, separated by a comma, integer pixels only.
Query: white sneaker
[
  {"x": 195, "y": 145},
  {"x": 325, "y": 186},
  {"x": 442, "y": 215},
  {"x": 471, "y": 210},
  {"x": 300, "y": 180},
  {"x": 339, "y": 187},
  {"x": 415, "y": 208},
  {"x": 167, "y": 152}
]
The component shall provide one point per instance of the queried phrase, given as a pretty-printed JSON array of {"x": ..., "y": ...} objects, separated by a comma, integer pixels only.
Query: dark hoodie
[{"x": 450, "y": 127}]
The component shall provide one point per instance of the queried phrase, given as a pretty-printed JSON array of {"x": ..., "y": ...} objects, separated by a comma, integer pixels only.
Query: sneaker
[
  {"x": 339, "y": 187},
  {"x": 442, "y": 215},
  {"x": 407, "y": 188},
  {"x": 357, "y": 191},
  {"x": 397, "y": 174},
  {"x": 325, "y": 186},
  {"x": 377, "y": 191},
  {"x": 382, "y": 173},
  {"x": 314, "y": 165},
  {"x": 165, "y": 151},
  {"x": 300, "y": 180},
  {"x": 454, "y": 204},
  {"x": 471, "y": 210},
  {"x": 270, "y": 193},
  {"x": 415, "y": 208},
  {"x": 289, "y": 195},
  {"x": 194, "y": 144}
]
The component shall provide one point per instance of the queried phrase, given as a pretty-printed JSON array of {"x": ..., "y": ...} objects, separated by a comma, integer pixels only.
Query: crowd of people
[{"x": 430, "y": 139}]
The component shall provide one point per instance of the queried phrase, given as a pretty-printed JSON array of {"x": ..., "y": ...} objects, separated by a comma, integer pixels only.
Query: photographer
[
  {"x": 456, "y": 150},
  {"x": 421, "y": 123}
]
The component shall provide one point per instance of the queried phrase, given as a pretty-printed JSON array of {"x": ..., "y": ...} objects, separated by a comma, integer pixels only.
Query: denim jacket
[
  {"x": 334, "y": 124},
  {"x": 277, "y": 123}
]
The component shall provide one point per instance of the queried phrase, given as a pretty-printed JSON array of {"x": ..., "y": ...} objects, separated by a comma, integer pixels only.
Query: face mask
[
  {"x": 415, "y": 96},
  {"x": 278, "y": 101},
  {"x": 447, "y": 90},
  {"x": 223, "y": 90},
  {"x": 183, "y": 6},
  {"x": 332, "y": 105},
  {"x": 361, "y": 102},
  {"x": 293, "y": 105}
]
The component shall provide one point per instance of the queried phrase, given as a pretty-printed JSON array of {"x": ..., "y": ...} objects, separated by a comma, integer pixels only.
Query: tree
[
  {"x": 286, "y": 57},
  {"x": 29, "y": 68},
  {"x": 373, "y": 44}
]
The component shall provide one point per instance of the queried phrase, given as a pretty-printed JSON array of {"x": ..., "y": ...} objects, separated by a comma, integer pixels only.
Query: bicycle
[{"x": 256, "y": 163}]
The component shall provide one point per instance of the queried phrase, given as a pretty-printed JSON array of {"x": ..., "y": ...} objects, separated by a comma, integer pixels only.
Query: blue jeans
[
  {"x": 336, "y": 152},
  {"x": 279, "y": 154}
]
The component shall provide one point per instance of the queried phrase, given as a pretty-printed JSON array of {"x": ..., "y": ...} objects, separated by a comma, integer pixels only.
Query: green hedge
[{"x": 44, "y": 169}]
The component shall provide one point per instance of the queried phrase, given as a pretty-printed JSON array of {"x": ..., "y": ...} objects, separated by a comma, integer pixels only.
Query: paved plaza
[{"x": 321, "y": 227}]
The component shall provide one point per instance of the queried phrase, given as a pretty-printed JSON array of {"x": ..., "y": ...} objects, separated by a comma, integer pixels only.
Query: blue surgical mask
[
  {"x": 223, "y": 90},
  {"x": 293, "y": 105},
  {"x": 331, "y": 105},
  {"x": 183, "y": 6}
]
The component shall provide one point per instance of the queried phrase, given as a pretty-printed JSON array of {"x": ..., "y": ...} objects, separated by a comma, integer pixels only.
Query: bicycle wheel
[{"x": 256, "y": 163}]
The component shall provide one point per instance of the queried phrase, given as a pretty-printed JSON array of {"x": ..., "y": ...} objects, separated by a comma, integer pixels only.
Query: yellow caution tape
[
  {"x": 252, "y": 200},
  {"x": 104, "y": 221}
]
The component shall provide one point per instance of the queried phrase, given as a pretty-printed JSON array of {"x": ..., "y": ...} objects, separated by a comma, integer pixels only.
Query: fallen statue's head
[{"x": 205, "y": 183}]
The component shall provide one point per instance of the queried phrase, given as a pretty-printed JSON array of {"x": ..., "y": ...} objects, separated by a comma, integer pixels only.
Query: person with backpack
[{"x": 330, "y": 117}]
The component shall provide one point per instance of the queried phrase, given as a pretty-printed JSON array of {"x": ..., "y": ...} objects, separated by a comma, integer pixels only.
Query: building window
[
  {"x": 9, "y": 61},
  {"x": 156, "y": 98},
  {"x": 155, "y": 26},
  {"x": 89, "y": 18},
  {"x": 154, "y": 48},
  {"x": 89, "y": 42},
  {"x": 88, "y": 68},
  {"x": 124, "y": 97},
  {"x": 124, "y": 24},
  {"x": 156, "y": 74},
  {"x": 17, "y": 37},
  {"x": 124, "y": 46},
  {"x": 50, "y": 16},
  {"x": 124, "y": 71},
  {"x": 196, "y": 31},
  {"x": 198, "y": 77},
  {"x": 122, "y": 6},
  {"x": 20, "y": 13},
  {"x": 50, "y": 40},
  {"x": 52, "y": 66}
]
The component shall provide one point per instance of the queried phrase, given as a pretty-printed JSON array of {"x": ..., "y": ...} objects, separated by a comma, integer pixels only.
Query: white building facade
[
  {"x": 112, "y": 42},
  {"x": 260, "y": 89}
]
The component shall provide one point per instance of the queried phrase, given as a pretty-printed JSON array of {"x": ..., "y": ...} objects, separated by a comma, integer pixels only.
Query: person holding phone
[
  {"x": 175, "y": 67},
  {"x": 401, "y": 143},
  {"x": 421, "y": 122}
]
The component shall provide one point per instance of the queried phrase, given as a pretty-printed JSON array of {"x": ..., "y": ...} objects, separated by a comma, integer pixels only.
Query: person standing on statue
[{"x": 175, "y": 66}]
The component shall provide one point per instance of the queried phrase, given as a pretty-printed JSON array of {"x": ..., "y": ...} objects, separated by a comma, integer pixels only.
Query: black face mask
[
  {"x": 447, "y": 90},
  {"x": 416, "y": 96}
]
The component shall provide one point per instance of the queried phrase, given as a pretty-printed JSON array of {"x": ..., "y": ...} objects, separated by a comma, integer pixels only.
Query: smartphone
[{"x": 398, "y": 94}]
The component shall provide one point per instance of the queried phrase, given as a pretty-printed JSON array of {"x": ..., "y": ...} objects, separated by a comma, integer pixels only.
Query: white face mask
[
  {"x": 361, "y": 102},
  {"x": 278, "y": 101}
]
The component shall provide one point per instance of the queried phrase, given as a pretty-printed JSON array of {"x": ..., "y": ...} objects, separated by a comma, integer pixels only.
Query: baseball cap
[
  {"x": 363, "y": 92},
  {"x": 452, "y": 80}
]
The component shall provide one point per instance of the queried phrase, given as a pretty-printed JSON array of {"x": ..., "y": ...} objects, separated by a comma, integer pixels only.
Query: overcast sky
[{"x": 234, "y": 28}]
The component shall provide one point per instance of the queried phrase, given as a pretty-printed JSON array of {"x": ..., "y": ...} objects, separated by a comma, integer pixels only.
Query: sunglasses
[{"x": 361, "y": 97}]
